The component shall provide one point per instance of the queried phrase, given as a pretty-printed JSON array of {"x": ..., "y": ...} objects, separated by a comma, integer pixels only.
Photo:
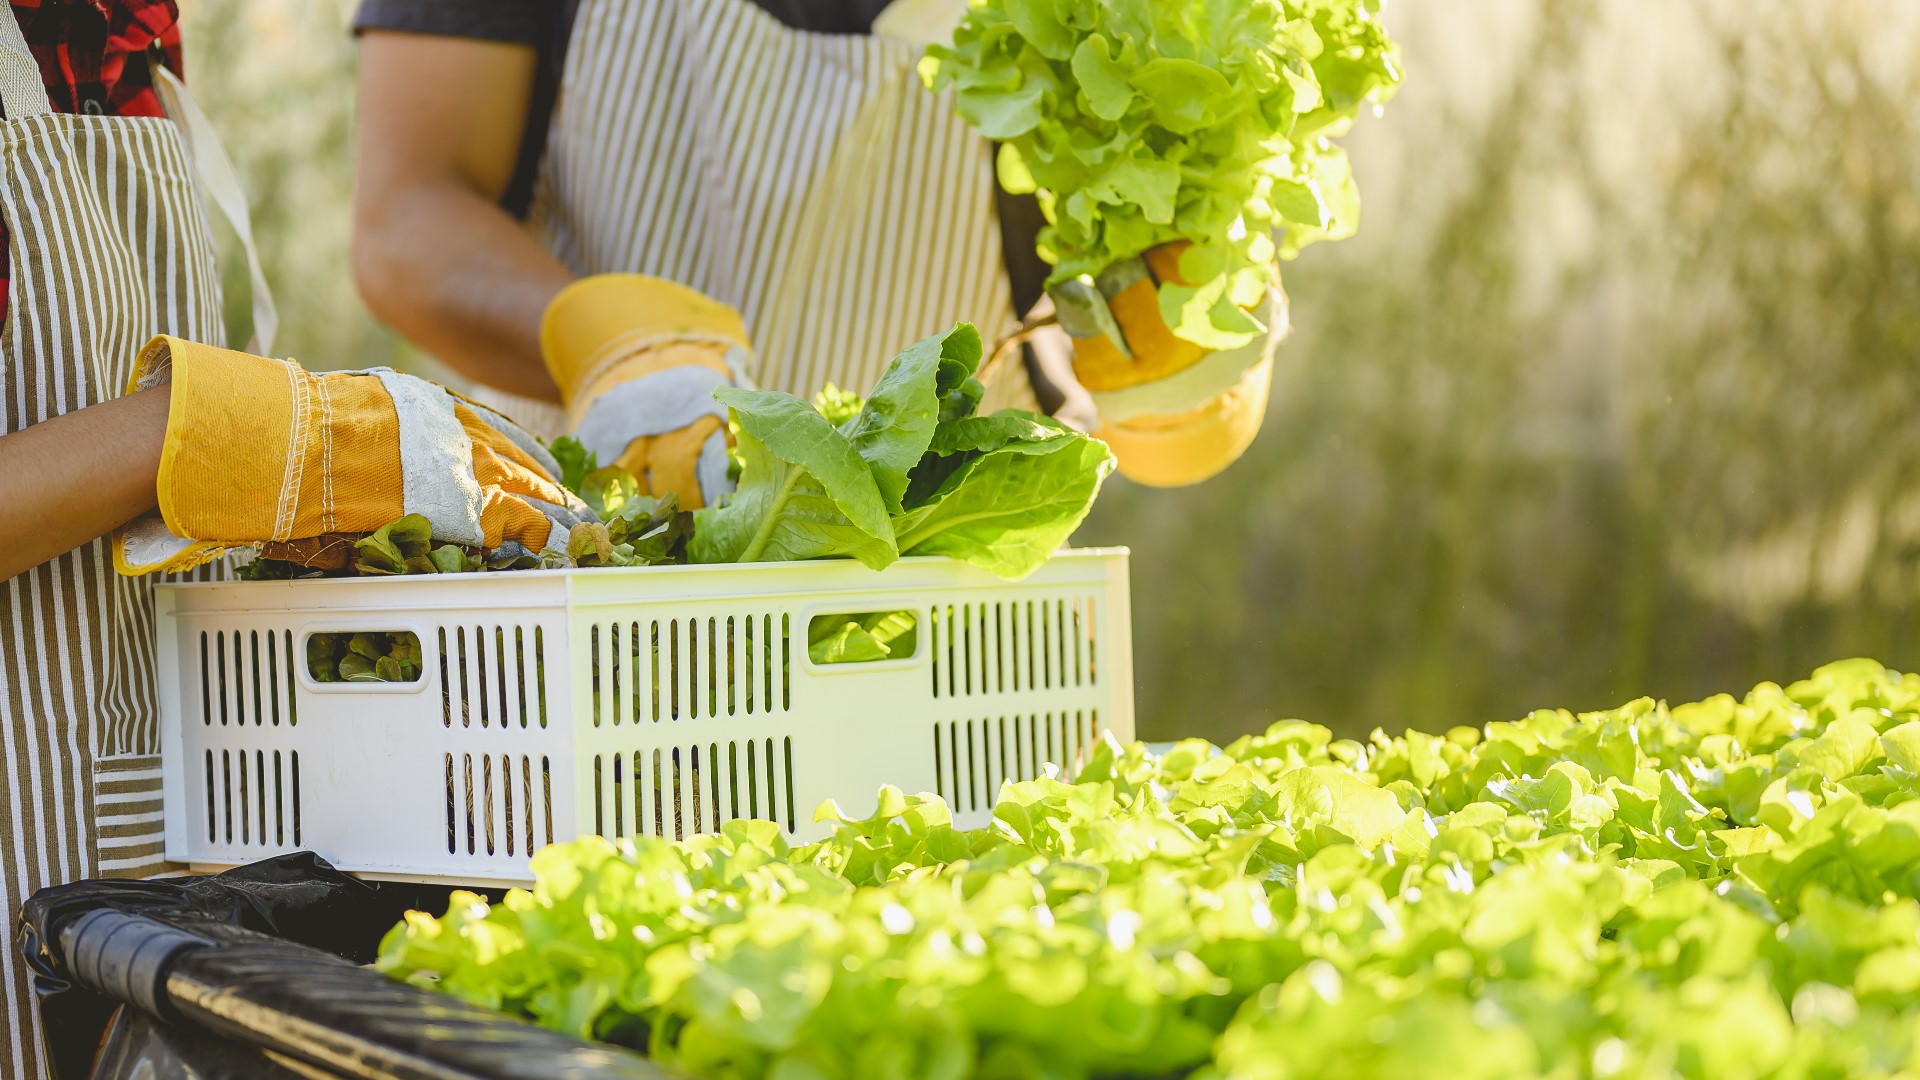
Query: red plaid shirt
[{"x": 84, "y": 48}]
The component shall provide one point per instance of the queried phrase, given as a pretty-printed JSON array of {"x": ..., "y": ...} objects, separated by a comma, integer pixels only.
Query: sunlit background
[{"x": 1611, "y": 396}]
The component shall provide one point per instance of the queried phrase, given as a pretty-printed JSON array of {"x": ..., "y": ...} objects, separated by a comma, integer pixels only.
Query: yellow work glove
[
  {"x": 637, "y": 360},
  {"x": 259, "y": 451},
  {"x": 1174, "y": 413}
]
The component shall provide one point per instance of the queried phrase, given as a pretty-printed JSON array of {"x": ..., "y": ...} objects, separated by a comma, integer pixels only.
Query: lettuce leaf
[
  {"x": 894, "y": 425},
  {"x": 862, "y": 638},
  {"x": 910, "y": 470},
  {"x": 1009, "y": 509},
  {"x": 1002, "y": 492},
  {"x": 804, "y": 493},
  {"x": 576, "y": 461}
]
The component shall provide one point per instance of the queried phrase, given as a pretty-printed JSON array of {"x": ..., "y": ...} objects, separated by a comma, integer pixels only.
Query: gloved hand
[
  {"x": 259, "y": 450},
  {"x": 637, "y": 360},
  {"x": 1174, "y": 413}
]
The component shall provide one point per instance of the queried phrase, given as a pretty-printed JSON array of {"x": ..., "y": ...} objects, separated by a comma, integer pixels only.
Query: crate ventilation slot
[
  {"x": 246, "y": 677},
  {"x": 253, "y": 798},
  {"x": 971, "y": 758},
  {"x": 686, "y": 669},
  {"x": 498, "y": 804},
  {"x": 493, "y": 677},
  {"x": 678, "y": 791},
  {"x": 1015, "y": 646}
]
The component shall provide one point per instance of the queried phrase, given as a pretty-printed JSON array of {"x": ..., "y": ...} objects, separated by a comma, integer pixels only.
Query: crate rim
[
  {"x": 691, "y": 569},
  {"x": 542, "y": 588}
]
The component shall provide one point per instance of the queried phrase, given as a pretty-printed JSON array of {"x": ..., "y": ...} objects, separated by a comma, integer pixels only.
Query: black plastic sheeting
[
  {"x": 139, "y": 1047},
  {"x": 265, "y": 961},
  {"x": 297, "y": 897}
]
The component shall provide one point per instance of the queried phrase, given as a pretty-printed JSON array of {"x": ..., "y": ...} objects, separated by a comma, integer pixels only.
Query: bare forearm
[
  {"x": 78, "y": 476},
  {"x": 461, "y": 279},
  {"x": 436, "y": 256}
]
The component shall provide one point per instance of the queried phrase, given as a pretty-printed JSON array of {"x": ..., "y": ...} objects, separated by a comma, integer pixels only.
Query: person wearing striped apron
[
  {"x": 721, "y": 191},
  {"x": 115, "y": 417},
  {"x": 107, "y": 247}
]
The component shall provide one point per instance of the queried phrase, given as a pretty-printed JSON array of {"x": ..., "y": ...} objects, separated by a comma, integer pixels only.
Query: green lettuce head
[{"x": 1142, "y": 122}]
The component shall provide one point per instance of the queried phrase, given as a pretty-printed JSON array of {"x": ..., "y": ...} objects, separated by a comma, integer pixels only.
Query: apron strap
[
  {"x": 218, "y": 183},
  {"x": 22, "y": 94}
]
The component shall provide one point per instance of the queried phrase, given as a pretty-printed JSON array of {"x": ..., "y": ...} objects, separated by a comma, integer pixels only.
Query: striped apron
[
  {"x": 806, "y": 179},
  {"x": 110, "y": 246}
]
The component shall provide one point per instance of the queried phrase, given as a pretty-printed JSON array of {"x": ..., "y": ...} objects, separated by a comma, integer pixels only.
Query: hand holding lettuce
[
  {"x": 1142, "y": 123},
  {"x": 1177, "y": 149}
]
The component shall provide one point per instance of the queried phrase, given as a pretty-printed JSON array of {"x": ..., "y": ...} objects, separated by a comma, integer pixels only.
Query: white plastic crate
[{"x": 661, "y": 700}]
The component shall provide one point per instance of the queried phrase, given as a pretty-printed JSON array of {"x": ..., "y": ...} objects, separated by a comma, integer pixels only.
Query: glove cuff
[
  {"x": 259, "y": 449},
  {"x": 598, "y": 322},
  {"x": 227, "y": 445},
  {"x": 224, "y": 456}
]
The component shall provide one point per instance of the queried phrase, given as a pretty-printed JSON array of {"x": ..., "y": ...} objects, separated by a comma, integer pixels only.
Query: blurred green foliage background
[{"x": 1611, "y": 396}]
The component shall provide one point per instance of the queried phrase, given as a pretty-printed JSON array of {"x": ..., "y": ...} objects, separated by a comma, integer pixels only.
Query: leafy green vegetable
[
  {"x": 264, "y": 569},
  {"x": 404, "y": 546},
  {"x": 606, "y": 490},
  {"x": 804, "y": 492},
  {"x": 640, "y": 531},
  {"x": 837, "y": 405},
  {"x": 896, "y": 422},
  {"x": 576, "y": 462},
  {"x": 849, "y": 644},
  {"x": 1004, "y": 505},
  {"x": 1143, "y": 122},
  {"x": 338, "y": 656},
  {"x": 862, "y": 638},
  {"x": 1648, "y": 891},
  {"x": 393, "y": 547},
  {"x": 911, "y": 470}
]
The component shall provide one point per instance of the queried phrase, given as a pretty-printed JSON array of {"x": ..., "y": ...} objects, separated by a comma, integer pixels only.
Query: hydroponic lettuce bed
[{"x": 1719, "y": 889}]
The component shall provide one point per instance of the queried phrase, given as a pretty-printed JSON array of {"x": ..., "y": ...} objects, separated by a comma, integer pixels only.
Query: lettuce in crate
[
  {"x": 907, "y": 470},
  {"x": 1139, "y": 123}
]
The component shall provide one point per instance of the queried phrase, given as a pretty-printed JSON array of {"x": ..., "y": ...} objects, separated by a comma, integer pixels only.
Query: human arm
[
  {"x": 78, "y": 476},
  {"x": 259, "y": 451},
  {"x": 227, "y": 446},
  {"x": 434, "y": 254},
  {"x": 633, "y": 359}
]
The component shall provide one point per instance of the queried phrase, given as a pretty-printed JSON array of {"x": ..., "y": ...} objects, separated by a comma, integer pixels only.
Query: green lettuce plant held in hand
[
  {"x": 1144, "y": 122},
  {"x": 1723, "y": 890}
]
